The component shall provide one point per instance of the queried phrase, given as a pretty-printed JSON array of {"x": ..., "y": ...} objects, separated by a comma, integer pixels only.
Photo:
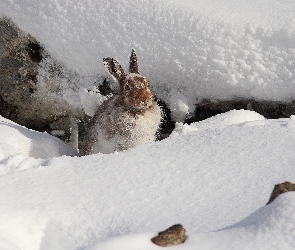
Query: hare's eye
[{"x": 127, "y": 87}]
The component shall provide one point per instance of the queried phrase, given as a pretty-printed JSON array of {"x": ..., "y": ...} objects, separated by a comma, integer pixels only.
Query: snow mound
[
  {"x": 130, "y": 242},
  {"x": 270, "y": 227},
  {"x": 220, "y": 121},
  {"x": 19, "y": 143},
  {"x": 205, "y": 180}
]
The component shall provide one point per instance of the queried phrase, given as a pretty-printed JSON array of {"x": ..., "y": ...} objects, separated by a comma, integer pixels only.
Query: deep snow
[
  {"x": 214, "y": 177},
  {"x": 202, "y": 49},
  {"x": 206, "y": 179}
]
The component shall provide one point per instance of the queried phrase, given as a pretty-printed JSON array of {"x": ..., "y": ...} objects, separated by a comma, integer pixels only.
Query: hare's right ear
[
  {"x": 114, "y": 68},
  {"x": 133, "y": 64}
]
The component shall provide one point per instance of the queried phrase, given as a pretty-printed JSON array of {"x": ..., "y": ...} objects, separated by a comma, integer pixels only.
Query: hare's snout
[
  {"x": 146, "y": 102},
  {"x": 139, "y": 101}
]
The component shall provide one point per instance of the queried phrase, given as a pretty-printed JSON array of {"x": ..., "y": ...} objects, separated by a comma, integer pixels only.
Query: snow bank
[
  {"x": 219, "y": 121},
  {"x": 201, "y": 49},
  {"x": 19, "y": 143},
  {"x": 270, "y": 227},
  {"x": 206, "y": 180}
]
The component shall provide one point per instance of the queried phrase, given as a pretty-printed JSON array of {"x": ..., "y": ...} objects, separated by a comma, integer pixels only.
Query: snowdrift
[
  {"x": 16, "y": 139},
  {"x": 270, "y": 227},
  {"x": 209, "y": 176},
  {"x": 206, "y": 179}
]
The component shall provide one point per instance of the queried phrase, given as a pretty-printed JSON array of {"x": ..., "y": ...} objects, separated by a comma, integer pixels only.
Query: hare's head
[{"x": 133, "y": 88}]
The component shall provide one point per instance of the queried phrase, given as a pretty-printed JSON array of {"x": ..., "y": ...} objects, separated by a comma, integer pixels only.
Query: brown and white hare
[{"x": 128, "y": 119}]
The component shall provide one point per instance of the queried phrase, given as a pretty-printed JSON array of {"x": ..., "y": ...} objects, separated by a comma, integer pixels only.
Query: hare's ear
[
  {"x": 133, "y": 65},
  {"x": 114, "y": 68}
]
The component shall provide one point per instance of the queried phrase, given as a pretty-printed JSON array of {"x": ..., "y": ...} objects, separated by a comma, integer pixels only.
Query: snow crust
[
  {"x": 206, "y": 179},
  {"x": 202, "y": 49}
]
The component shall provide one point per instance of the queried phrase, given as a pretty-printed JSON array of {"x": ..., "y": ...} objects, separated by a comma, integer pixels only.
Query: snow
[
  {"x": 205, "y": 179},
  {"x": 16, "y": 139},
  {"x": 21, "y": 147},
  {"x": 270, "y": 227},
  {"x": 179, "y": 106},
  {"x": 217, "y": 50},
  {"x": 219, "y": 121},
  {"x": 214, "y": 177}
]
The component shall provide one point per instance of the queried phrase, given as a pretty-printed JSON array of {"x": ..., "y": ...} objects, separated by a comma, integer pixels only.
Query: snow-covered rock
[
  {"x": 35, "y": 90},
  {"x": 205, "y": 50}
]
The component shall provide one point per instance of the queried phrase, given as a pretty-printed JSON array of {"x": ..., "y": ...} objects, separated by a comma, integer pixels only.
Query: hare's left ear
[
  {"x": 133, "y": 65},
  {"x": 114, "y": 68}
]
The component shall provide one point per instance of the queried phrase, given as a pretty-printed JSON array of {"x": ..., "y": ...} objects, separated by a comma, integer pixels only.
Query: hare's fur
[{"x": 128, "y": 119}]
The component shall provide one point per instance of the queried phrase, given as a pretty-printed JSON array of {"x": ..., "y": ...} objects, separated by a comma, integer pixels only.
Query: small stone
[
  {"x": 280, "y": 189},
  {"x": 174, "y": 235}
]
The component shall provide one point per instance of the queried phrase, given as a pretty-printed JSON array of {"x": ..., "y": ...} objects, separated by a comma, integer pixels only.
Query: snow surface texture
[
  {"x": 16, "y": 139},
  {"x": 21, "y": 147},
  {"x": 207, "y": 176},
  {"x": 201, "y": 49},
  {"x": 206, "y": 179}
]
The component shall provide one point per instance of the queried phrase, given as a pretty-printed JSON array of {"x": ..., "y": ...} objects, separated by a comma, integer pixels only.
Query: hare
[{"x": 128, "y": 119}]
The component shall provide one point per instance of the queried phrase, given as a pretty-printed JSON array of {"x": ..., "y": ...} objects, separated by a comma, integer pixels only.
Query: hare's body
[
  {"x": 128, "y": 119},
  {"x": 115, "y": 129}
]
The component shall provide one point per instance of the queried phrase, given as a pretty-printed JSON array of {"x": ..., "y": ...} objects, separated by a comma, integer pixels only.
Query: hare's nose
[
  {"x": 146, "y": 102},
  {"x": 143, "y": 102}
]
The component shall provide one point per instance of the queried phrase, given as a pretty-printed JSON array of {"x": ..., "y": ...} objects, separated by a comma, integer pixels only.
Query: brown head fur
[
  {"x": 133, "y": 88},
  {"x": 137, "y": 95}
]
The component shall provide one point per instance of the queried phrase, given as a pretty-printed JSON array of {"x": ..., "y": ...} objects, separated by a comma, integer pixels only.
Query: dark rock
[
  {"x": 269, "y": 109},
  {"x": 35, "y": 51},
  {"x": 27, "y": 97},
  {"x": 174, "y": 235},
  {"x": 280, "y": 189},
  {"x": 167, "y": 125},
  {"x": 105, "y": 89}
]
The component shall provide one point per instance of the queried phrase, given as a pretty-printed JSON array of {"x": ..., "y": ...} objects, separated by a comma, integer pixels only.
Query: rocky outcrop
[
  {"x": 269, "y": 109},
  {"x": 174, "y": 235},
  {"x": 31, "y": 82},
  {"x": 280, "y": 189}
]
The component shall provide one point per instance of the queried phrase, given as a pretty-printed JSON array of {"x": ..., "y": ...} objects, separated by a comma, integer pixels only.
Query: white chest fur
[{"x": 120, "y": 130}]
